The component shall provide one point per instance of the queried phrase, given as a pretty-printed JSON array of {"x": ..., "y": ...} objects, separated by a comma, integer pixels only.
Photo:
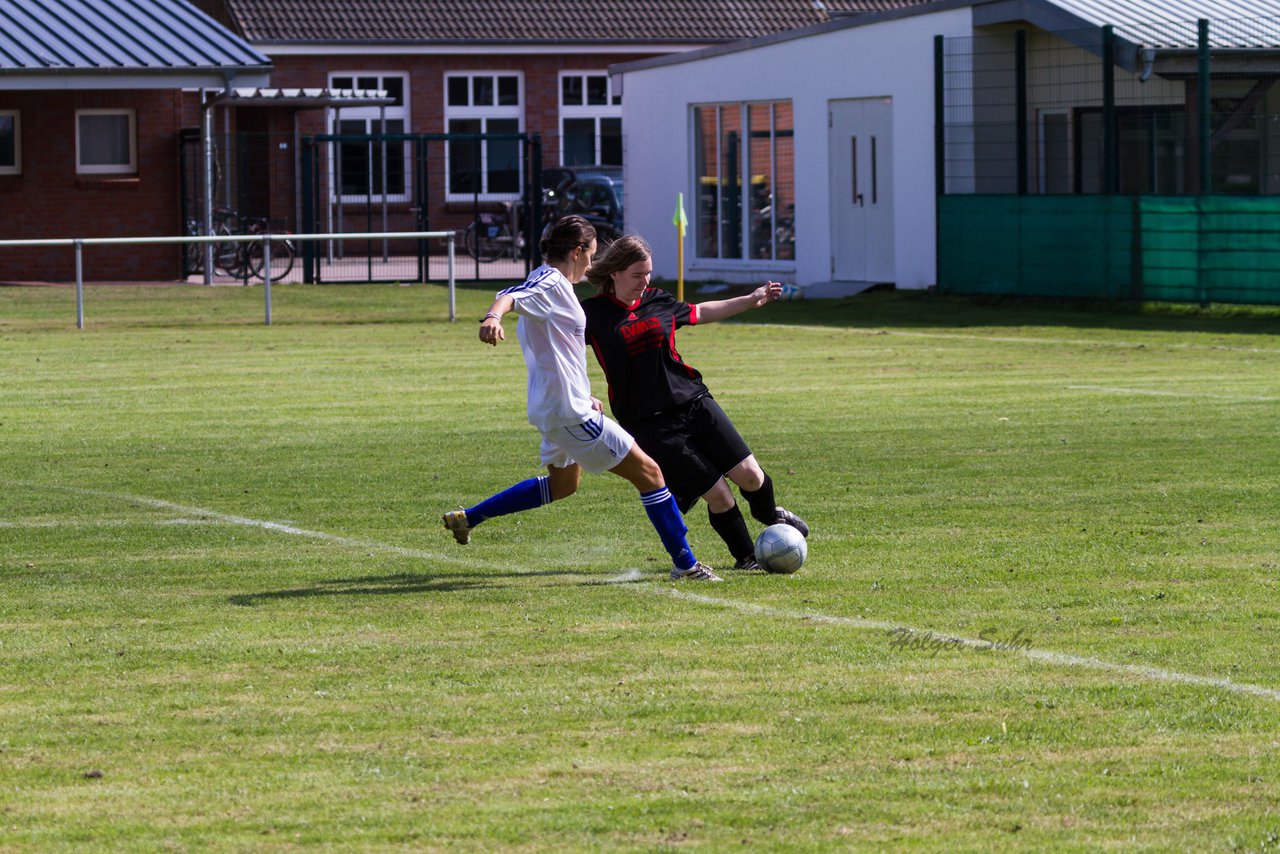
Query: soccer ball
[{"x": 781, "y": 548}]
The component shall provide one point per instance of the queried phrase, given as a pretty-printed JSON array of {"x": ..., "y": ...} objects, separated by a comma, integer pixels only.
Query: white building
[{"x": 809, "y": 156}]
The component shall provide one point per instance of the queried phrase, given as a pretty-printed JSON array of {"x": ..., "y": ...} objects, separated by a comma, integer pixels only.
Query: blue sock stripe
[{"x": 544, "y": 487}]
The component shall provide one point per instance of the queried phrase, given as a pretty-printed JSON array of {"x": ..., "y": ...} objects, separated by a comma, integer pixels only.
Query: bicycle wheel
[
  {"x": 228, "y": 256},
  {"x": 282, "y": 256},
  {"x": 192, "y": 253},
  {"x": 486, "y": 242}
]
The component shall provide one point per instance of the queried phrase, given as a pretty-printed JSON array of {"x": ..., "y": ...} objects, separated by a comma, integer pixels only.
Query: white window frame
[
  {"x": 370, "y": 116},
  {"x": 608, "y": 110},
  {"x": 743, "y": 260},
  {"x": 129, "y": 168},
  {"x": 483, "y": 112},
  {"x": 14, "y": 168}
]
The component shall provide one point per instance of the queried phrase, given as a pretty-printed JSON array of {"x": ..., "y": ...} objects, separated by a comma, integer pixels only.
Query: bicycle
[
  {"x": 489, "y": 237},
  {"x": 241, "y": 259}
]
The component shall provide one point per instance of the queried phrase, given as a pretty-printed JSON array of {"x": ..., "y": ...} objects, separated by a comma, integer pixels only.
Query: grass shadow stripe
[
  {"x": 1153, "y": 392},
  {"x": 1008, "y": 339}
]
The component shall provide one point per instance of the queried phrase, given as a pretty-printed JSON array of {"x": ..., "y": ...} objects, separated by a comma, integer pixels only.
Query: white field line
[
  {"x": 1006, "y": 339},
  {"x": 1151, "y": 392},
  {"x": 1059, "y": 659},
  {"x": 930, "y": 640},
  {"x": 202, "y": 514}
]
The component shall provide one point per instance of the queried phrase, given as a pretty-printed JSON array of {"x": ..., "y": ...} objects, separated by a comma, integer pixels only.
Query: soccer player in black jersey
[{"x": 662, "y": 401}]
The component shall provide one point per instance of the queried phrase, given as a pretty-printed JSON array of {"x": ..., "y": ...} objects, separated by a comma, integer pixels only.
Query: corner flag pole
[{"x": 681, "y": 222}]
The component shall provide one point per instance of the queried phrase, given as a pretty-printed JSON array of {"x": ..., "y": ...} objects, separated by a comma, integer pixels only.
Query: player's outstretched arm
[
  {"x": 491, "y": 331},
  {"x": 710, "y": 312}
]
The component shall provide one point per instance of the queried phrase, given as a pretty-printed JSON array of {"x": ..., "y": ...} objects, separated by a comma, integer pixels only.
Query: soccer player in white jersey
[{"x": 576, "y": 434}]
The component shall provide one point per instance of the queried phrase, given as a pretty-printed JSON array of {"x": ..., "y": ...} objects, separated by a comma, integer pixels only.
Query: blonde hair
[{"x": 620, "y": 255}]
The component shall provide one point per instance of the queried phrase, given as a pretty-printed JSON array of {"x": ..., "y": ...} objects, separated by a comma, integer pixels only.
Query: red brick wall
[
  {"x": 49, "y": 200},
  {"x": 427, "y": 105}
]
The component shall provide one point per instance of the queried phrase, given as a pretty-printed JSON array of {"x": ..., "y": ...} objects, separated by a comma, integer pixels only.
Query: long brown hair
[
  {"x": 564, "y": 236},
  {"x": 620, "y": 255}
]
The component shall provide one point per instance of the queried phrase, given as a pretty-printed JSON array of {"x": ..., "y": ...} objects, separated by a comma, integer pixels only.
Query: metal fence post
[
  {"x": 1110, "y": 148},
  {"x": 939, "y": 117},
  {"x": 453, "y": 307},
  {"x": 79, "y": 284},
  {"x": 1206, "y": 109},
  {"x": 1020, "y": 132},
  {"x": 266, "y": 272}
]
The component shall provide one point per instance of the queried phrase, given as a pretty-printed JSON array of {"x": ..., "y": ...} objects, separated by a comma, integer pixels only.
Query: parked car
[{"x": 594, "y": 192}]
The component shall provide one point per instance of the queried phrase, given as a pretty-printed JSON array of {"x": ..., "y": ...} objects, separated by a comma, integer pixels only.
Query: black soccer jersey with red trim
[{"x": 635, "y": 345}]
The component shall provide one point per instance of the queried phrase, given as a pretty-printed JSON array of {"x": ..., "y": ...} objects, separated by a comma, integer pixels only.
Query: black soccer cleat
[
  {"x": 746, "y": 562},
  {"x": 782, "y": 516}
]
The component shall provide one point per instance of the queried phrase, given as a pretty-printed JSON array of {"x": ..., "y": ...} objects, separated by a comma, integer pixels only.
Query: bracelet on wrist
[{"x": 489, "y": 315}]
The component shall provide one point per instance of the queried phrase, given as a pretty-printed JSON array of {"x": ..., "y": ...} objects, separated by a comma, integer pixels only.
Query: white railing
[{"x": 78, "y": 244}]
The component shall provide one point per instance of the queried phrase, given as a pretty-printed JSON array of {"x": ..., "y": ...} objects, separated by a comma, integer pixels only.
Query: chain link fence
[{"x": 1140, "y": 161}]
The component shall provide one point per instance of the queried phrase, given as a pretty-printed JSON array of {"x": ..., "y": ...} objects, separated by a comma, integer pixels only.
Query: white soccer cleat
[
  {"x": 697, "y": 572},
  {"x": 456, "y": 521}
]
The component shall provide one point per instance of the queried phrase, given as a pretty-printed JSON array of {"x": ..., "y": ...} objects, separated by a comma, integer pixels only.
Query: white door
[{"x": 861, "y": 163}]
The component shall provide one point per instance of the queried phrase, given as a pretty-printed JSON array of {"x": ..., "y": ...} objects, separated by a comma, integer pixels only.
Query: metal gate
[{"x": 484, "y": 186}]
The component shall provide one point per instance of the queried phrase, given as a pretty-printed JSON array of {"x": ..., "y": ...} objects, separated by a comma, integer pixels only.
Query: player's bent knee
[
  {"x": 559, "y": 491},
  {"x": 748, "y": 475},
  {"x": 563, "y": 482}
]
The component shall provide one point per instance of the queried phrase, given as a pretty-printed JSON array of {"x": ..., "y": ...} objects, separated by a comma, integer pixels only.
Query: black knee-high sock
[
  {"x": 763, "y": 508},
  {"x": 732, "y": 528}
]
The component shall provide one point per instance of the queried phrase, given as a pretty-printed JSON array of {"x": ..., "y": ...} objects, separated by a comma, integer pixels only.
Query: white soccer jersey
[{"x": 551, "y": 330}]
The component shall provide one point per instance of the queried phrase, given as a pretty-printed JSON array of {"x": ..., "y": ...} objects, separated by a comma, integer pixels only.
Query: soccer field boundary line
[
  {"x": 261, "y": 524},
  {"x": 1150, "y": 392},
  {"x": 627, "y": 579},
  {"x": 928, "y": 641},
  {"x": 1005, "y": 339}
]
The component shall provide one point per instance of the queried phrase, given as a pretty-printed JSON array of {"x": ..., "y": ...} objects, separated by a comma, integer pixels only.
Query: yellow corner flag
[{"x": 681, "y": 223}]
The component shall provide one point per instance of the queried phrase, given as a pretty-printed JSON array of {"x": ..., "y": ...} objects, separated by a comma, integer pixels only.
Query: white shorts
[{"x": 597, "y": 445}]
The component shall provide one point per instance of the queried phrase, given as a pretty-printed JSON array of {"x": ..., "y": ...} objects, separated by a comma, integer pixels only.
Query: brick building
[
  {"x": 458, "y": 67},
  {"x": 91, "y": 105}
]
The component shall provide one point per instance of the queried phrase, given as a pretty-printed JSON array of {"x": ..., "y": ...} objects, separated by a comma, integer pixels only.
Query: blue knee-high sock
[
  {"x": 665, "y": 516},
  {"x": 525, "y": 495}
]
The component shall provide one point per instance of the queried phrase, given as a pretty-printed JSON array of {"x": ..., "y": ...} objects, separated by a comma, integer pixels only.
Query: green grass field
[{"x": 1039, "y": 613}]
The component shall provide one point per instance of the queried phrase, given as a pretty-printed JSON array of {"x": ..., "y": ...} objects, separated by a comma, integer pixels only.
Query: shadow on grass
[{"x": 384, "y": 585}]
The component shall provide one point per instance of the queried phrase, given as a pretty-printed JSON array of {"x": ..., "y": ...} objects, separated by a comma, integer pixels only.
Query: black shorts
[{"x": 695, "y": 443}]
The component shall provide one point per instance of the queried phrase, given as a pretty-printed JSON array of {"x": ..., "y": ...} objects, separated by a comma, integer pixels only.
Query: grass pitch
[{"x": 1039, "y": 612}]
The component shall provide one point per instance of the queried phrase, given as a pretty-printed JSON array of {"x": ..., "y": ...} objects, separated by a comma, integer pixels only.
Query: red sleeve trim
[{"x": 693, "y": 315}]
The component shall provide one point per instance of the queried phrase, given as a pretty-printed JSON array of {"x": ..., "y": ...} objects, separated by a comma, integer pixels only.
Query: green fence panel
[
  {"x": 1167, "y": 248},
  {"x": 1059, "y": 246}
]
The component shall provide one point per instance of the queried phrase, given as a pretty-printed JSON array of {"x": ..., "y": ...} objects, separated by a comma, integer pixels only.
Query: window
[
  {"x": 10, "y": 143},
  {"x": 358, "y": 169},
  {"x": 483, "y": 103},
  {"x": 106, "y": 142},
  {"x": 590, "y": 120},
  {"x": 744, "y": 160}
]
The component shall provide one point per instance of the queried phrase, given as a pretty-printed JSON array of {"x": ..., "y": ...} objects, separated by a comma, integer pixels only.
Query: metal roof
[
  {"x": 40, "y": 39},
  {"x": 1171, "y": 24},
  {"x": 1161, "y": 24}
]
